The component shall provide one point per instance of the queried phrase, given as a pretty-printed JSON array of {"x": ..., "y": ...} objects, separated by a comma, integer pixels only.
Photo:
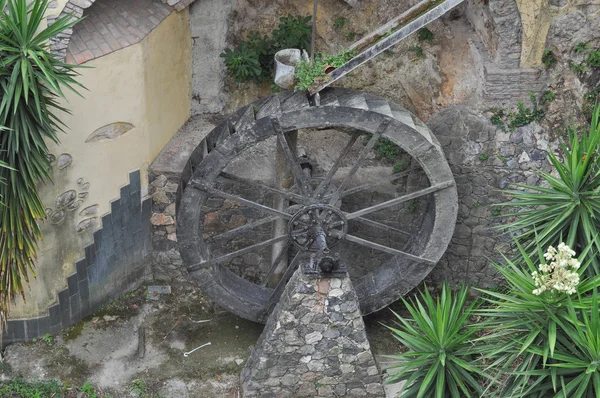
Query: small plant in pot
[{"x": 306, "y": 73}]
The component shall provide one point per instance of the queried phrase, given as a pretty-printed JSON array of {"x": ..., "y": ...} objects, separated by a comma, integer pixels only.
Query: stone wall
[
  {"x": 499, "y": 27},
  {"x": 504, "y": 86},
  {"x": 209, "y": 20},
  {"x": 313, "y": 345},
  {"x": 484, "y": 160},
  {"x": 164, "y": 196},
  {"x": 117, "y": 261},
  {"x": 498, "y": 22}
]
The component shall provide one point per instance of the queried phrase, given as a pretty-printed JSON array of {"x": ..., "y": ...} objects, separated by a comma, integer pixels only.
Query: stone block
[{"x": 314, "y": 348}]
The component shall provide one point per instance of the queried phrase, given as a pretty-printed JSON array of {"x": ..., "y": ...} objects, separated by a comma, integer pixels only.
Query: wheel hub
[{"x": 317, "y": 227}]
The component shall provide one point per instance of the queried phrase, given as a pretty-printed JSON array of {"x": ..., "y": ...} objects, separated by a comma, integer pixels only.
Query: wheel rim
[{"x": 376, "y": 289}]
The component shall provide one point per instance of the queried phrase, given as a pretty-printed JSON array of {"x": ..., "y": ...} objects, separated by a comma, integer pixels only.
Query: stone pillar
[{"x": 313, "y": 345}]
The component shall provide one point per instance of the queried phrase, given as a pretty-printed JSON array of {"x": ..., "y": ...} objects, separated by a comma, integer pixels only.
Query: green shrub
[
  {"x": 577, "y": 68},
  {"x": 351, "y": 36},
  {"x": 497, "y": 117},
  {"x": 439, "y": 360},
  {"x": 548, "y": 59},
  {"x": 265, "y": 48},
  {"x": 31, "y": 82},
  {"x": 581, "y": 47},
  {"x": 522, "y": 116},
  {"x": 526, "y": 329},
  {"x": 139, "y": 388},
  {"x": 548, "y": 96},
  {"x": 568, "y": 207},
  {"x": 339, "y": 23},
  {"x": 386, "y": 149},
  {"x": 425, "y": 34},
  {"x": 575, "y": 370},
  {"x": 398, "y": 167},
  {"x": 36, "y": 389},
  {"x": 412, "y": 206},
  {"x": 418, "y": 50},
  {"x": 307, "y": 73},
  {"x": 89, "y": 390},
  {"x": 293, "y": 33},
  {"x": 242, "y": 63},
  {"x": 252, "y": 59},
  {"x": 590, "y": 100},
  {"x": 593, "y": 59}
]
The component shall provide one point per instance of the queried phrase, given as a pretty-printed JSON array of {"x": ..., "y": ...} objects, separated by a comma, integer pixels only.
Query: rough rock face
[
  {"x": 444, "y": 74},
  {"x": 314, "y": 345},
  {"x": 484, "y": 160},
  {"x": 573, "y": 28}
]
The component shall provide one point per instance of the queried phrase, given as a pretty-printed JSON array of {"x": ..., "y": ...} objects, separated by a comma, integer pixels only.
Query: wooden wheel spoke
[
  {"x": 383, "y": 226},
  {"x": 255, "y": 184},
  {"x": 301, "y": 178},
  {"x": 232, "y": 255},
  {"x": 278, "y": 291},
  {"x": 401, "y": 199},
  {"x": 359, "y": 162},
  {"x": 376, "y": 182},
  {"x": 386, "y": 249},
  {"x": 283, "y": 252},
  {"x": 249, "y": 203},
  {"x": 244, "y": 228},
  {"x": 327, "y": 180}
]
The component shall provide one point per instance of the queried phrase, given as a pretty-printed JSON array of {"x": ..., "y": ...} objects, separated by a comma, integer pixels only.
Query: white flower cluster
[{"x": 560, "y": 273}]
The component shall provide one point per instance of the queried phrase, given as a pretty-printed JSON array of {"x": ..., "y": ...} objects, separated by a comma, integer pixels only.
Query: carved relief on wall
[{"x": 72, "y": 200}]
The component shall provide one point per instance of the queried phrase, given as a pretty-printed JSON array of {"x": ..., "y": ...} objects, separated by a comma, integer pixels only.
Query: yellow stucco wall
[
  {"x": 536, "y": 18},
  {"x": 147, "y": 85}
]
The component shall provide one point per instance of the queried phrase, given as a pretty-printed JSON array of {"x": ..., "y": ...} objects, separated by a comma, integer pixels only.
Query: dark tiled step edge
[{"x": 112, "y": 265}]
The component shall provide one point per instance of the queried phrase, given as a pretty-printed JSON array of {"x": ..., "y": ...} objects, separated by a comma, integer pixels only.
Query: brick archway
[{"x": 60, "y": 43}]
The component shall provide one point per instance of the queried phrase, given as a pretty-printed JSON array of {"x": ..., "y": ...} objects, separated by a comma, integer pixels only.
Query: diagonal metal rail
[{"x": 387, "y": 36}]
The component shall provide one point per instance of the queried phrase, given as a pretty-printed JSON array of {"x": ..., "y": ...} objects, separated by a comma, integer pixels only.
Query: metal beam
[{"x": 414, "y": 19}]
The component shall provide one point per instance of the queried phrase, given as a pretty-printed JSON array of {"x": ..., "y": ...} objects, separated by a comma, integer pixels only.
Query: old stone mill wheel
[{"x": 228, "y": 214}]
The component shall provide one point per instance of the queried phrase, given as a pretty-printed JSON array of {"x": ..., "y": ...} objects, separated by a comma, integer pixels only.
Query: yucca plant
[
  {"x": 575, "y": 369},
  {"x": 31, "y": 81},
  {"x": 522, "y": 326},
  {"x": 440, "y": 361},
  {"x": 568, "y": 206}
]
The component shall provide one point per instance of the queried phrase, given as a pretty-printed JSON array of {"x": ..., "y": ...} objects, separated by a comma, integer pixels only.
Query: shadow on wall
[{"x": 113, "y": 263}]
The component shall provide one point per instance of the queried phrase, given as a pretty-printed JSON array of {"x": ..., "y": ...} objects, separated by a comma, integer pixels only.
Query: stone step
[
  {"x": 328, "y": 98},
  {"x": 247, "y": 119},
  {"x": 298, "y": 100},
  {"x": 379, "y": 105},
  {"x": 402, "y": 115},
  {"x": 357, "y": 101},
  {"x": 272, "y": 107}
]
